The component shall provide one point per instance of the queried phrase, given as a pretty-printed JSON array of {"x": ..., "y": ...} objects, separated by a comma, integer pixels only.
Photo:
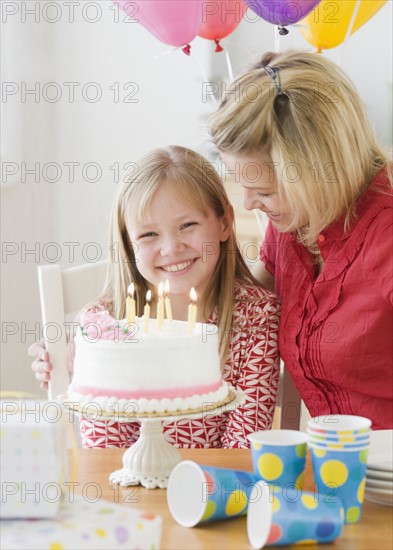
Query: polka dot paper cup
[
  {"x": 199, "y": 494},
  {"x": 341, "y": 475},
  {"x": 339, "y": 424},
  {"x": 279, "y": 456},
  {"x": 278, "y": 516},
  {"x": 344, "y": 439},
  {"x": 339, "y": 445}
]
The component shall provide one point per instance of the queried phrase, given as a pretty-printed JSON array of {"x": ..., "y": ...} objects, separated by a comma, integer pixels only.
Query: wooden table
[{"x": 375, "y": 530}]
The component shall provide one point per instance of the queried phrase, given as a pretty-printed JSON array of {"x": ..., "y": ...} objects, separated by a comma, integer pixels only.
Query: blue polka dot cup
[
  {"x": 199, "y": 494},
  {"x": 279, "y": 456},
  {"x": 338, "y": 445},
  {"x": 341, "y": 475},
  {"x": 339, "y": 439},
  {"x": 278, "y": 516},
  {"x": 339, "y": 425}
]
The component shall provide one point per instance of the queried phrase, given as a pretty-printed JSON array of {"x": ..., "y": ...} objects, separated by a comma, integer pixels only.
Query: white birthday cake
[{"x": 133, "y": 372}]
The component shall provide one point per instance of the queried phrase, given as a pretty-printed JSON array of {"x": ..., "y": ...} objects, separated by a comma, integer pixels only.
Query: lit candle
[
  {"x": 192, "y": 311},
  {"x": 130, "y": 304},
  {"x": 160, "y": 306},
  {"x": 146, "y": 311},
  {"x": 168, "y": 307}
]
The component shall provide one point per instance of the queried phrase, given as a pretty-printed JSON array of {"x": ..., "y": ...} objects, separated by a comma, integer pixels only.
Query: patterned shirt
[
  {"x": 252, "y": 367},
  {"x": 336, "y": 326}
]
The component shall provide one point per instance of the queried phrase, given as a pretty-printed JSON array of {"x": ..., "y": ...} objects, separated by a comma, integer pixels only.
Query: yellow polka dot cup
[
  {"x": 340, "y": 475},
  {"x": 347, "y": 440},
  {"x": 279, "y": 456},
  {"x": 283, "y": 516},
  {"x": 339, "y": 425},
  {"x": 199, "y": 494}
]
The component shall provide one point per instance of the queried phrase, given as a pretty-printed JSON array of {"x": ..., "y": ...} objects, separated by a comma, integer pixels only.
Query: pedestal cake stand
[{"x": 150, "y": 460}]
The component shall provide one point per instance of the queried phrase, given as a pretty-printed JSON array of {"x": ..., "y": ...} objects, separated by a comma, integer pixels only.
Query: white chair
[{"x": 65, "y": 292}]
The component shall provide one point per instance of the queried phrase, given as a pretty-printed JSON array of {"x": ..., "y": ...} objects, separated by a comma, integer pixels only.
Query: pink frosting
[
  {"x": 100, "y": 325},
  {"x": 170, "y": 393}
]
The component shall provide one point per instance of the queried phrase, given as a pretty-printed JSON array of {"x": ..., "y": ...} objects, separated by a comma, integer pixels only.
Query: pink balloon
[
  {"x": 220, "y": 18},
  {"x": 172, "y": 22}
]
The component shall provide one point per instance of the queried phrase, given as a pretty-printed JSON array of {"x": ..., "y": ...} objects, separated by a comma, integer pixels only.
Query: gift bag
[{"x": 33, "y": 457}]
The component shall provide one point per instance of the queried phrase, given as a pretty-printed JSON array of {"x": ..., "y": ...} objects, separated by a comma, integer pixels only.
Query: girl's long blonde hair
[
  {"x": 311, "y": 122},
  {"x": 196, "y": 181}
]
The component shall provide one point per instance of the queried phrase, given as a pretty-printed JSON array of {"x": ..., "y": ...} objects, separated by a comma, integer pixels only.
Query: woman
[{"x": 294, "y": 132}]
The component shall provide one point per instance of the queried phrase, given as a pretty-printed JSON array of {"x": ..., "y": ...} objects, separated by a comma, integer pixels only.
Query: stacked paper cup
[{"x": 339, "y": 446}]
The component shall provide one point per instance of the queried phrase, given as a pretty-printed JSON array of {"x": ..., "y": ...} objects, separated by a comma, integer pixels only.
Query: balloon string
[
  {"x": 276, "y": 38},
  {"x": 229, "y": 64},
  {"x": 205, "y": 79},
  {"x": 349, "y": 31},
  {"x": 166, "y": 52},
  {"x": 240, "y": 46}
]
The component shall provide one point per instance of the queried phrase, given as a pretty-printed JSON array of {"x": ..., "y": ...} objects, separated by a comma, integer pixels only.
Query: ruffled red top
[{"x": 336, "y": 327}]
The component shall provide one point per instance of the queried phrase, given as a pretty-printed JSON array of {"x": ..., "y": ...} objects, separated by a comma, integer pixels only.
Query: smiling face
[
  {"x": 257, "y": 177},
  {"x": 176, "y": 241}
]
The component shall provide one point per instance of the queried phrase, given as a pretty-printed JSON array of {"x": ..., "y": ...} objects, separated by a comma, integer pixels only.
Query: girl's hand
[{"x": 41, "y": 365}]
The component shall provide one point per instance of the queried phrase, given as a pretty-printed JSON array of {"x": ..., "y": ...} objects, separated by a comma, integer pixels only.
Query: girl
[
  {"x": 307, "y": 156},
  {"x": 173, "y": 220}
]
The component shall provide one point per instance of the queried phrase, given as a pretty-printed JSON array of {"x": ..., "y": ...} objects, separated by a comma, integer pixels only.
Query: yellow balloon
[{"x": 327, "y": 25}]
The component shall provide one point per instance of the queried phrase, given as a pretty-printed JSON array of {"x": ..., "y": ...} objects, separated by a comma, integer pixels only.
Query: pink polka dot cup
[{"x": 279, "y": 456}]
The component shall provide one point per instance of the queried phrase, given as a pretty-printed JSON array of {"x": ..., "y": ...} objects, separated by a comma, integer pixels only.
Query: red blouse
[
  {"x": 252, "y": 366},
  {"x": 336, "y": 327}
]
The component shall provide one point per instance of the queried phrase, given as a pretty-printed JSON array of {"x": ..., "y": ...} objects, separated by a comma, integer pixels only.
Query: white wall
[
  {"x": 169, "y": 108},
  {"x": 367, "y": 56},
  {"x": 107, "y": 133}
]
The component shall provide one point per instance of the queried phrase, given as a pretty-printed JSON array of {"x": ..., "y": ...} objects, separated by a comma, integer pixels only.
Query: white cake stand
[{"x": 151, "y": 459}]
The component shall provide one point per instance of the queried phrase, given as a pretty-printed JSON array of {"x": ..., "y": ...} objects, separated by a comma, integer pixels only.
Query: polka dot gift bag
[{"x": 33, "y": 465}]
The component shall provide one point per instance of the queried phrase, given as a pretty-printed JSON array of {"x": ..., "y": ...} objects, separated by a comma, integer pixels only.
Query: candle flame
[
  {"x": 193, "y": 295},
  {"x": 160, "y": 290},
  {"x": 148, "y": 296},
  {"x": 167, "y": 287},
  {"x": 131, "y": 290}
]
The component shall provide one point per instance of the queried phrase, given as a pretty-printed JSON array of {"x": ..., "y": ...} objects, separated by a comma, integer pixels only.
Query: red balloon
[{"x": 220, "y": 18}]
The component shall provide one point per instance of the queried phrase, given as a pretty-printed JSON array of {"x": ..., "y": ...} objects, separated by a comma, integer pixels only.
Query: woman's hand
[{"x": 41, "y": 365}]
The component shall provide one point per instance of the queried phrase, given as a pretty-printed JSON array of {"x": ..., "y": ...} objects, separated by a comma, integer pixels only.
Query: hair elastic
[{"x": 274, "y": 74}]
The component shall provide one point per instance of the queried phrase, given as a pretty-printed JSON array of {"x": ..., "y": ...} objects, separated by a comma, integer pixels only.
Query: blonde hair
[
  {"x": 311, "y": 122},
  {"x": 196, "y": 181}
]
